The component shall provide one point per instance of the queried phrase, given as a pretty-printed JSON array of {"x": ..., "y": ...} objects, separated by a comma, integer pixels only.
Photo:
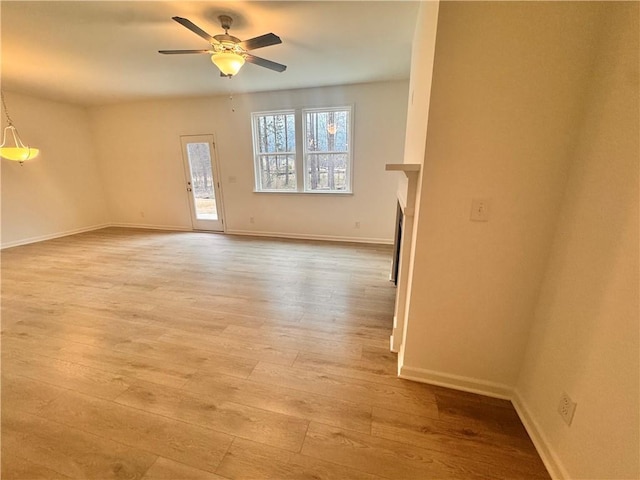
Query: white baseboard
[
  {"x": 548, "y": 456},
  {"x": 302, "y": 236},
  {"x": 391, "y": 346},
  {"x": 145, "y": 226},
  {"x": 51, "y": 236},
  {"x": 466, "y": 384},
  {"x": 174, "y": 228}
]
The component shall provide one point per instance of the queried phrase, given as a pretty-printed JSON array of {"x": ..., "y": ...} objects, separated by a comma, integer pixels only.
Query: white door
[{"x": 202, "y": 182}]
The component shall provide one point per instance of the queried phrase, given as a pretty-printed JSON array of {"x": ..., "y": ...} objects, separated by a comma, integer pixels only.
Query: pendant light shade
[
  {"x": 18, "y": 152},
  {"x": 229, "y": 63},
  {"x": 12, "y": 147}
]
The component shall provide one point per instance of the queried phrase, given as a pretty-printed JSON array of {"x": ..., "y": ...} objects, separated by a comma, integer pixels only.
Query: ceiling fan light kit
[
  {"x": 229, "y": 53},
  {"x": 229, "y": 63}
]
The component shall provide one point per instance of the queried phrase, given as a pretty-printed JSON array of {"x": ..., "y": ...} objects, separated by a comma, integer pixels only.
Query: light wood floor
[{"x": 139, "y": 354}]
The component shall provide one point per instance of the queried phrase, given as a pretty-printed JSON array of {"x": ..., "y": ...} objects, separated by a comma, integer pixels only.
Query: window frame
[
  {"x": 305, "y": 152},
  {"x": 300, "y": 154},
  {"x": 257, "y": 155}
]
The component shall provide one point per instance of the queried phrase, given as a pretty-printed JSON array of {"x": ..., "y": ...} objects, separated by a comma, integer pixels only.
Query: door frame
[{"x": 202, "y": 224}]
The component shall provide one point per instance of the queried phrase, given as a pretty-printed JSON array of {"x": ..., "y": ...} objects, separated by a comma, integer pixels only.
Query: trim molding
[
  {"x": 173, "y": 228},
  {"x": 144, "y": 226},
  {"x": 457, "y": 382},
  {"x": 547, "y": 454},
  {"x": 302, "y": 236},
  {"x": 51, "y": 236}
]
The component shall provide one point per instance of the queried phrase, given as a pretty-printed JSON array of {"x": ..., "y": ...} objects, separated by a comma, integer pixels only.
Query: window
[
  {"x": 327, "y": 158},
  {"x": 322, "y": 153},
  {"x": 274, "y": 144}
]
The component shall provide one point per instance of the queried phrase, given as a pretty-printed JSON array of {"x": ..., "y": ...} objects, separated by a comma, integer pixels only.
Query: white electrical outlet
[
  {"x": 251, "y": 220},
  {"x": 566, "y": 408},
  {"x": 357, "y": 225}
]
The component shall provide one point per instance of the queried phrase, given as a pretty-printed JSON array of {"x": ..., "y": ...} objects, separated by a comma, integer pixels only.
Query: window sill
[{"x": 296, "y": 192}]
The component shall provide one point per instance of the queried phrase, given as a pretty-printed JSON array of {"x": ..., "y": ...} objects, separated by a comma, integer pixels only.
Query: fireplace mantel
[
  {"x": 406, "y": 190},
  {"x": 403, "y": 167}
]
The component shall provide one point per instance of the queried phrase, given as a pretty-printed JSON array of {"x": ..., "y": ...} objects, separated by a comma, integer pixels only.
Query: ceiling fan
[{"x": 229, "y": 53}]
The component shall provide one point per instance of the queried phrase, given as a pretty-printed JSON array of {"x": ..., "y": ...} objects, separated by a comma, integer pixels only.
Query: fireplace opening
[{"x": 396, "y": 246}]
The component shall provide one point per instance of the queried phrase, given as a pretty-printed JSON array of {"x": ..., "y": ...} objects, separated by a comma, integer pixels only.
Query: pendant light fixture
[{"x": 18, "y": 151}]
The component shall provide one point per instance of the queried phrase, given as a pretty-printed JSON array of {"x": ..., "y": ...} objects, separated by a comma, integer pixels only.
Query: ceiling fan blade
[
  {"x": 174, "y": 52},
  {"x": 195, "y": 29},
  {"x": 261, "y": 41},
  {"x": 278, "y": 67}
]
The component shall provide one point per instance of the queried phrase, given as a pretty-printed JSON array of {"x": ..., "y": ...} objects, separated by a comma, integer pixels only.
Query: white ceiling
[{"x": 98, "y": 52}]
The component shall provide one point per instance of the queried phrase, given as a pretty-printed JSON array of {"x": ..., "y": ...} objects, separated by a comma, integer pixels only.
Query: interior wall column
[{"x": 407, "y": 200}]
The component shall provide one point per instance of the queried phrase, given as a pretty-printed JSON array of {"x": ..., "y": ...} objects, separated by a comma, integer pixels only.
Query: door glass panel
[{"x": 202, "y": 181}]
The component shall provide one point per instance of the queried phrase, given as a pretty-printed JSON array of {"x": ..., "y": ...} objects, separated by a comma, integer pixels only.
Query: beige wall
[
  {"x": 584, "y": 339},
  {"x": 60, "y": 191},
  {"x": 138, "y": 146},
  {"x": 504, "y": 104}
]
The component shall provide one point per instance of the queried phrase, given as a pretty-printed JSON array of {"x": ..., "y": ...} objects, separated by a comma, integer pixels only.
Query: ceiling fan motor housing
[
  {"x": 225, "y": 21},
  {"x": 224, "y": 38}
]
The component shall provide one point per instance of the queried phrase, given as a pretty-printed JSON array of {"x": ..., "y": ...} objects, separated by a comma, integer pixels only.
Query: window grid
[
  {"x": 314, "y": 141},
  {"x": 327, "y": 153},
  {"x": 275, "y": 150}
]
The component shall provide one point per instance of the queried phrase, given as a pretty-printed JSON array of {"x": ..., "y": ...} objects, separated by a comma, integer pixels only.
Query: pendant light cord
[{"x": 6, "y": 112}]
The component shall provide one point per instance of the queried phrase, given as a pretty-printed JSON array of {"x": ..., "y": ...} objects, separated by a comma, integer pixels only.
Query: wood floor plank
[
  {"x": 287, "y": 401},
  {"x": 165, "y": 469},
  {"x": 217, "y": 412},
  {"x": 185, "y": 443},
  {"x": 127, "y": 364},
  {"x": 197, "y": 320},
  {"x": 335, "y": 347},
  {"x": 73, "y": 333},
  {"x": 176, "y": 353},
  {"x": 354, "y": 390},
  {"x": 72, "y": 375},
  {"x": 378, "y": 337},
  {"x": 380, "y": 456},
  {"x": 249, "y": 460},
  {"x": 22, "y": 394},
  {"x": 359, "y": 369},
  {"x": 468, "y": 409},
  {"x": 69, "y": 451},
  {"x": 14, "y": 341},
  {"x": 336, "y": 319},
  {"x": 16, "y": 467},
  {"x": 459, "y": 439},
  {"x": 235, "y": 347},
  {"x": 256, "y": 307}
]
